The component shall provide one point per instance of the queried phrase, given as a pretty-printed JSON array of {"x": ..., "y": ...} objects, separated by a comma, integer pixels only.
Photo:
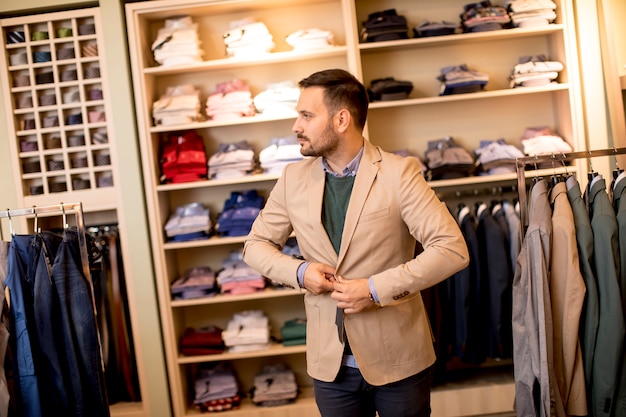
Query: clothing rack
[
  {"x": 58, "y": 209},
  {"x": 561, "y": 158}
]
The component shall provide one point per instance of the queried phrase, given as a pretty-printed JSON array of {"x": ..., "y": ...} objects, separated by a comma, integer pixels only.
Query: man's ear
[{"x": 342, "y": 120}]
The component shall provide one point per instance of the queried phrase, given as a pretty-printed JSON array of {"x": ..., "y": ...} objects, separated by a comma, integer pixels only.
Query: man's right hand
[{"x": 319, "y": 277}]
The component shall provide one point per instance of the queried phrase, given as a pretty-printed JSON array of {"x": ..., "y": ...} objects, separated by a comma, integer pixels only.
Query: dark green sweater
[{"x": 337, "y": 191}]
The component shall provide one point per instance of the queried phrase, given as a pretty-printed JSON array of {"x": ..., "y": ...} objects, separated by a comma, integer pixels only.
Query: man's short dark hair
[{"x": 341, "y": 90}]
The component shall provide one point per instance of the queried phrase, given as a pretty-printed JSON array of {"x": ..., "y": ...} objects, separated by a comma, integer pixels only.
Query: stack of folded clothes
[
  {"x": 180, "y": 104},
  {"x": 216, "y": 388},
  {"x": 385, "y": 89},
  {"x": 280, "y": 152},
  {"x": 496, "y": 157},
  {"x": 240, "y": 211},
  {"x": 177, "y": 42},
  {"x": 459, "y": 79},
  {"x": 483, "y": 17},
  {"x": 385, "y": 25},
  {"x": 203, "y": 341},
  {"x": 189, "y": 222},
  {"x": 427, "y": 28},
  {"x": 541, "y": 140},
  {"x": 236, "y": 277},
  {"x": 247, "y": 331},
  {"x": 278, "y": 99},
  {"x": 248, "y": 38},
  {"x": 275, "y": 385},
  {"x": 527, "y": 13},
  {"x": 310, "y": 39},
  {"x": 446, "y": 159},
  {"x": 196, "y": 282},
  {"x": 293, "y": 332},
  {"x": 534, "y": 70},
  {"x": 231, "y": 100},
  {"x": 232, "y": 160}
]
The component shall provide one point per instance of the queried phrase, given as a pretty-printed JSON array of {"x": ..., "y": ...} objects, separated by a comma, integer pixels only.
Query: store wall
[{"x": 138, "y": 255}]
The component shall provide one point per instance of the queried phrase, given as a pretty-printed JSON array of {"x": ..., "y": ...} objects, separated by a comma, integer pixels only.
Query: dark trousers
[{"x": 351, "y": 396}]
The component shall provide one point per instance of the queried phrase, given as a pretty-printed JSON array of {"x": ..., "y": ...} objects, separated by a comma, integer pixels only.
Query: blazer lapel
[
  {"x": 362, "y": 185},
  {"x": 314, "y": 193}
]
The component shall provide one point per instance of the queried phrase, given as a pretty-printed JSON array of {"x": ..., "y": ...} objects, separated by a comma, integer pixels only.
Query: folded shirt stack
[
  {"x": 247, "y": 331},
  {"x": 483, "y": 16},
  {"x": 231, "y": 100},
  {"x": 427, "y": 28},
  {"x": 542, "y": 140},
  {"x": 496, "y": 157},
  {"x": 446, "y": 159},
  {"x": 310, "y": 39},
  {"x": 384, "y": 25},
  {"x": 534, "y": 70},
  {"x": 216, "y": 389},
  {"x": 203, "y": 341},
  {"x": 275, "y": 385},
  {"x": 232, "y": 160},
  {"x": 189, "y": 222},
  {"x": 459, "y": 79},
  {"x": 388, "y": 88},
  {"x": 280, "y": 152},
  {"x": 196, "y": 282},
  {"x": 278, "y": 99},
  {"x": 177, "y": 42},
  {"x": 236, "y": 277},
  {"x": 239, "y": 212},
  {"x": 293, "y": 332},
  {"x": 527, "y": 13},
  {"x": 247, "y": 39},
  {"x": 180, "y": 104}
]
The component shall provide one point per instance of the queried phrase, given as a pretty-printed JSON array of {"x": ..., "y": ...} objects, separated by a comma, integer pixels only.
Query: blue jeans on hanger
[
  {"x": 23, "y": 254},
  {"x": 78, "y": 324}
]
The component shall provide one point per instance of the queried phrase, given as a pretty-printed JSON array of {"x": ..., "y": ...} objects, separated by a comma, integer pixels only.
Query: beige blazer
[{"x": 391, "y": 207}]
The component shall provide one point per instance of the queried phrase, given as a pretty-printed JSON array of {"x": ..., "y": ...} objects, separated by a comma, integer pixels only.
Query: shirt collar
[{"x": 350, "y": 170}]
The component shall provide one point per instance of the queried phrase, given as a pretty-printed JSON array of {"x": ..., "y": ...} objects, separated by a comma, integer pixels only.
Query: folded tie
[
  {"x": 55, "y": 165},
  {"x": 80, "y": 183},
  {"x": 89, "y": 50},
  {"x": 92, "y": 72},
  {"x": 71, "y": 96},
  {"x": 44, "y": 78},
  {"x": 101, "y": 160},
  {"x": 87, "y": 29},
  {"x": 39, "y": 35},
  {"x": 52, "y": 142},
  {"x": 96, "y": 116},
  {"x": 31, "y": 167},
  {"x": 42, "y": 56},
  {"x": 79, "y": 162},
  {"x": 18, "y": 59},
  {"x": 57, "y": 186},
  {"x": 76, "y": 140},
  {"x": 28, "y": 146},
  {"x": 21, "y": 81},
  {"x": 99, "y": 138},
  {"x": 69, "y": 75},
  {"x": 25, "y": 102},
  {"x": 50, "y": 121},
  {"x": 74, "y": 119},
  {"x": 64, "y": 32},
  {"x": 36, "y": 189},
  {"x": 28, "y": 124},
  {"x": 105, "y": 180},
  {"x": 95, "y": 94},
  {"x": 16, "y": 36},
  {"x": 48, "y": 100},
  {"x": 65, "y": 53}
]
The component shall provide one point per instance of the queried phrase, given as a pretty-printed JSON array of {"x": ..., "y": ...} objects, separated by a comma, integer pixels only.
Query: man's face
[{"x": 314, "y": 126}]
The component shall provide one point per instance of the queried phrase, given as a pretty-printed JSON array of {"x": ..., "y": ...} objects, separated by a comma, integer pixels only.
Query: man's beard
[{"x": 328, "y": 143}]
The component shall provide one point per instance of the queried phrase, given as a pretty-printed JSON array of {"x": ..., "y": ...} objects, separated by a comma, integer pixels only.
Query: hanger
[
  {"x": 11, "y": 230},
  {"x": 591, "y": 174},
  {"x": 36, "y": 225},
  {"x": 617, "y": 169}
]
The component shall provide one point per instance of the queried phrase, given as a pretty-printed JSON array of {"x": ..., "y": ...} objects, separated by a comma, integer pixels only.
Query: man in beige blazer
[{"x": 357, "y": 212}]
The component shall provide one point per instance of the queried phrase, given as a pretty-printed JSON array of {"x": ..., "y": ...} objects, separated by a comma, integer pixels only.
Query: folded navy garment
[
  {"x": 385, "y": 25},
  {"x": 427, "y": 28},
  {"x": 385, "y": 89},
  {"x": 460, "y": 79}
]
